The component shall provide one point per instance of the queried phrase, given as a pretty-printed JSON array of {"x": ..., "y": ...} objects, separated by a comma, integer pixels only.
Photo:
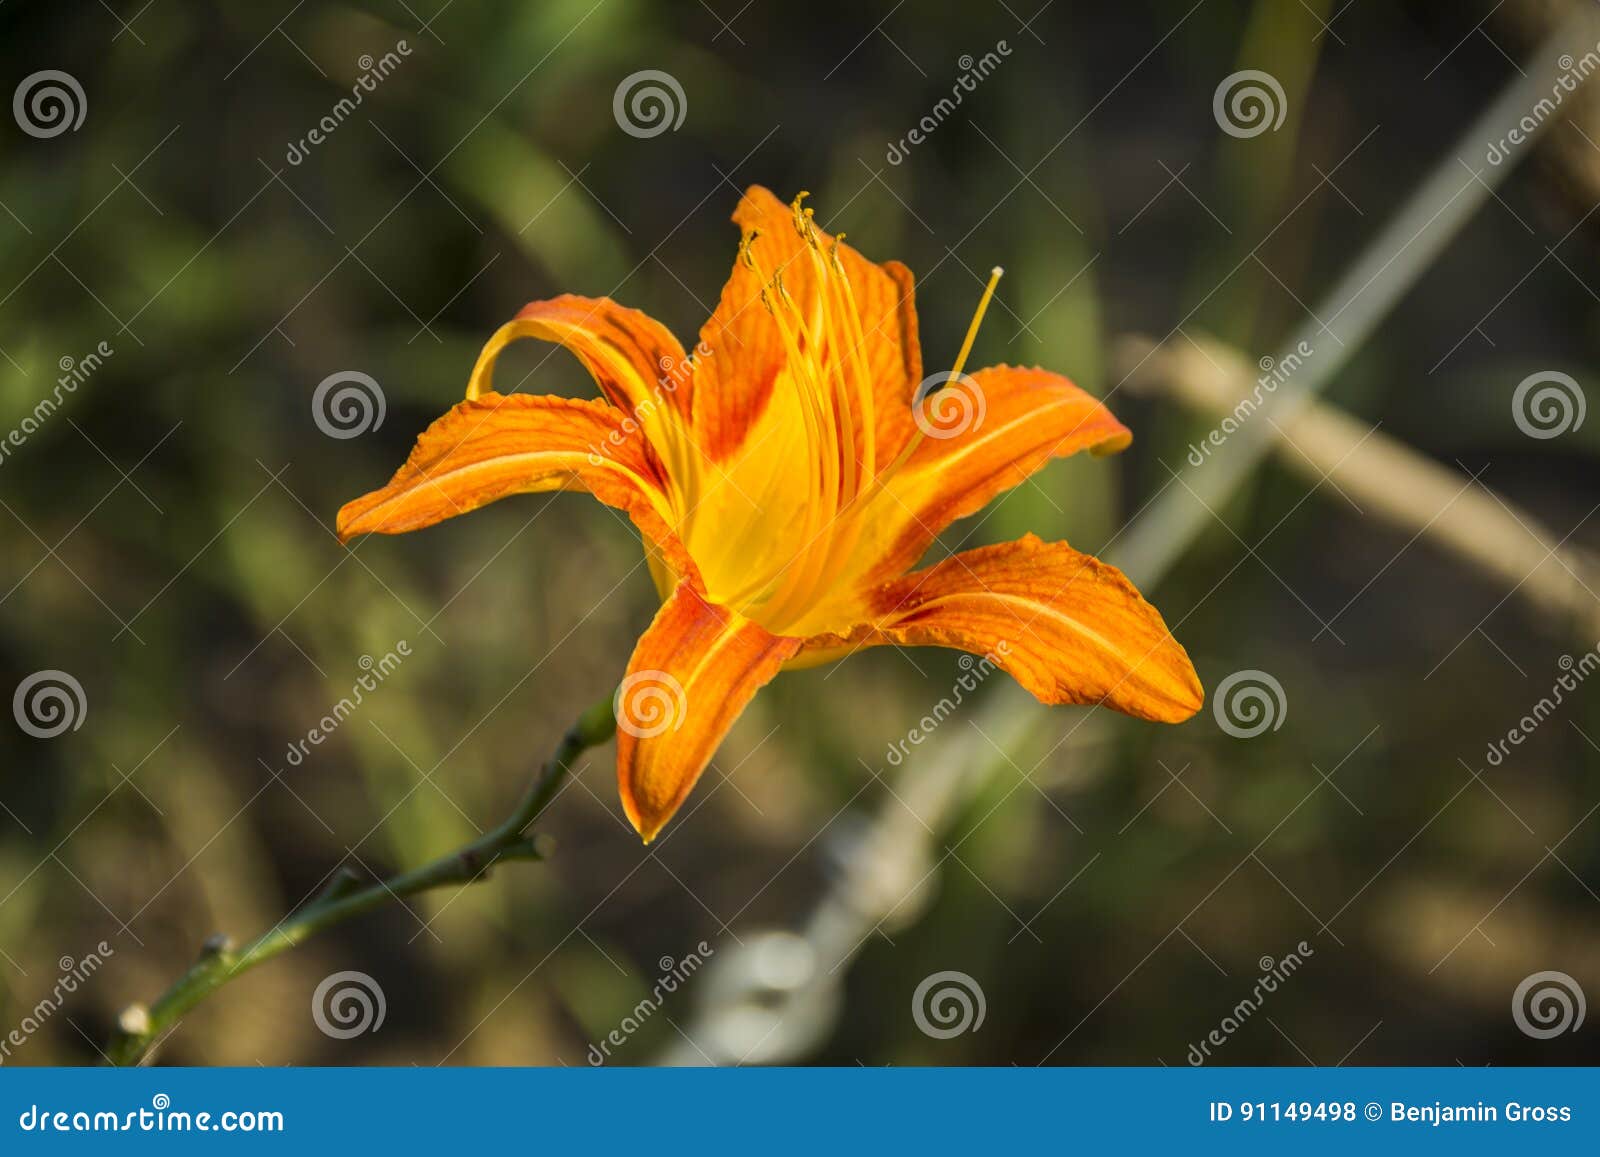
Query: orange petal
[
  {"x": 734, "y": 380},
  {"x": 1069, "y": 628},
  {"x": 494, "y": 446},
  {"x": 981, "y": 435},
  {"x": 632, "y": 357},
  {"x": 690, "y": 677}
]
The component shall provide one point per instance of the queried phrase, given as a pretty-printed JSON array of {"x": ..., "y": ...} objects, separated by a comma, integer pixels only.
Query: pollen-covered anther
[
  {"x": 802, "y": 222},
  {"x": 783, "y": 292}
]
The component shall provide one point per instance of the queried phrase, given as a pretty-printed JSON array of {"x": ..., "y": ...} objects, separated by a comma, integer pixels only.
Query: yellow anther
[
  {"x": 833, "y": 256},
  {"x": 745, "y": 243},
  {"x": 788, "y": 299}
]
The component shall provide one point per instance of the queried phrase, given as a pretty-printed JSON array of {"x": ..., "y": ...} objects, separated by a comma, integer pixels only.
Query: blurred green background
[{"x": 167, "y": 532}]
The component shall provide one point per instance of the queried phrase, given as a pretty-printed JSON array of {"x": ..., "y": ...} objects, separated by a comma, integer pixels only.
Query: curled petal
[
  {"x": 632, "y": 357},
  {"x": 634, "y": 360},
  {"x": 494, "y": 446}
]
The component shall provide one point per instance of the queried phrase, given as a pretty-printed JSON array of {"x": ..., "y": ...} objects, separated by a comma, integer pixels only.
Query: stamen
[
  {"x": 821, "y": 421},
  {"x": 853, "y": 514},
  {"x": 835, "y": 337},
  {"x": 856, "y": 340},
  {"x": 802, "y": 221},
  {"x": 807, "y": 375},
  {"x": 846, "y": 529},
  {"x": 955, "y": 371},
  {"x": 833, "y": 365},
  {"x": 977, "y": 319}
]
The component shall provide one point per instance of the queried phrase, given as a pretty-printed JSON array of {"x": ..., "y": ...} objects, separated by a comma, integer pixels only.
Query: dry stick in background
[
  {"x": 141, "y": 1028},
  {"x": 744, "y": 1013},
  {"x": 1382, "y": 475}
]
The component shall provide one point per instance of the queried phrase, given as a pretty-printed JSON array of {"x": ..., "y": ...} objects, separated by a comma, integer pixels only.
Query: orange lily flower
[{"x": 785, "y": 479}]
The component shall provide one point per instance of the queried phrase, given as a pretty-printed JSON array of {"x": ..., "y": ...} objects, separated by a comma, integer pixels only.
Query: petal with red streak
[{"x": 1069, "y": 628}]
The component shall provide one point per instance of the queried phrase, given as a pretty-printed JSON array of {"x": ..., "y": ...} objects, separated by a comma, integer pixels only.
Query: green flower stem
[{"x": 140, "y": 1027}]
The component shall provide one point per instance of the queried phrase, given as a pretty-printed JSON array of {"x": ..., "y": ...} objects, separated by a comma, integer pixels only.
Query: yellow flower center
[{"x": 774, "y": 527}]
